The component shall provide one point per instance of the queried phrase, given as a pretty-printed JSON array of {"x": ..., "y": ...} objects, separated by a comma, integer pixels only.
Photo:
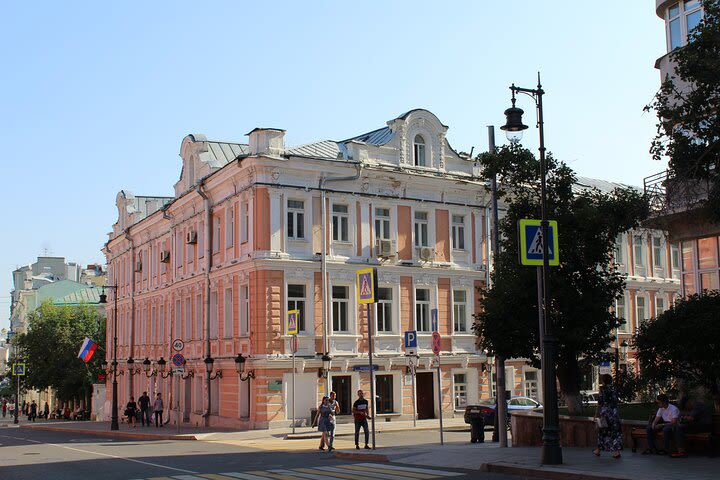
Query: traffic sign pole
[
  {"x": 439, "y": 373},
  {"x": 372, "y": 373},
  {"x": 292, "y": 347}
]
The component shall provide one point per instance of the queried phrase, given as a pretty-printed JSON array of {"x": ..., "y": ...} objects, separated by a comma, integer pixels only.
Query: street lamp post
[
  {"x": 114, "y": 424},
  {"x": 551, "y": 450}
]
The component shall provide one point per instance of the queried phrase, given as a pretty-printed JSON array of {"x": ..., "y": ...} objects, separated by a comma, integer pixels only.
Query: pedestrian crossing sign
[
  {"x": 19, "y": 369},
  {"x": 293, "y": 318},
  {"x": 367, "y": 285},
  {"x": 531, "y": 245}
]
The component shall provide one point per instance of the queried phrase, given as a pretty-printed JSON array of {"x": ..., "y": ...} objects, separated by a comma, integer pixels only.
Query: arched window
[{"x": 419, "y": 151}]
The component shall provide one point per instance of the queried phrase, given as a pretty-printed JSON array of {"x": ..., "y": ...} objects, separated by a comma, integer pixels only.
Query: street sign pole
[
  {"x": 372, "y": 373},
  {"x": 439, "y": 373},
  {"x": 17, "y": 398},
  {"x": 292, "y": 347},
  {"x": 414, "y": 393}
]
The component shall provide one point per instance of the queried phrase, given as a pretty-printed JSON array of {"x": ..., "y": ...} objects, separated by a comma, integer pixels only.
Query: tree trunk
[{"x": 568, "y": 373}]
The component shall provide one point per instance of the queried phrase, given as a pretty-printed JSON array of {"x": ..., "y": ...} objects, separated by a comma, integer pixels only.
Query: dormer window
[{"x": 419, "y": 151}]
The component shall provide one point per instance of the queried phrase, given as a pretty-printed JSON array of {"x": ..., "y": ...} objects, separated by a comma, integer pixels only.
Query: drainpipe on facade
[
  {"x": 323, "y": 259},
  {"x": 131, "y": 343},
  {"x": 208, "y": 266}
]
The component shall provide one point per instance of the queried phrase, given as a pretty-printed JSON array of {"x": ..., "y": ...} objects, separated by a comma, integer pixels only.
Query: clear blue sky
[{"x": 97, "y": 96}]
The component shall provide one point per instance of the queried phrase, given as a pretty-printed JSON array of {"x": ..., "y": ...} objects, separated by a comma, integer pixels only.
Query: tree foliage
[
  {"x": 684, "y": 343},
  {"x": 584, "y": 286},
  {"x": 687, "y": 106},
  {"x": 51, "y": 345}
]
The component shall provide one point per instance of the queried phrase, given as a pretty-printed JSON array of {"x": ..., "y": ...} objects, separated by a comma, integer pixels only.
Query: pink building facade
[{"x": 241, "y": 242}]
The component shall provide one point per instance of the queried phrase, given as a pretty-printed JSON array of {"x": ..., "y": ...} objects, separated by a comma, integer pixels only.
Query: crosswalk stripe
[
  {"x": 277, "y": 476},
  {"x": 159, "y": 478},
  {"x": 410, "y": 469},
  {"x": 322, "y": 471},
  {"x": 244, "y": 476},
  {"x": 215, "y": 476},
  {"x": 187, "y": 477},
  {"x": 378, "y": 473},
  {"x": 302, "y": 475}
]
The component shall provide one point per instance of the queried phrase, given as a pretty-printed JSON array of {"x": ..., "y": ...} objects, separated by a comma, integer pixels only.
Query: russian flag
[{"x": 87, "y": 350}]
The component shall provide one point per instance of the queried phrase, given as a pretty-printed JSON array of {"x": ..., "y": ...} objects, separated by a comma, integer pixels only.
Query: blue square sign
[
  {"x": 531, "y": 243},
  {"x": 411, "y": 339}
]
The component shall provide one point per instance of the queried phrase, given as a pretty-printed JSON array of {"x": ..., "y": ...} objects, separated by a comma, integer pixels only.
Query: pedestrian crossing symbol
[
  {"x": 293, "y": 319},
  {"x": 531, "y": 243},
  {"x": 367, "y": 285}
]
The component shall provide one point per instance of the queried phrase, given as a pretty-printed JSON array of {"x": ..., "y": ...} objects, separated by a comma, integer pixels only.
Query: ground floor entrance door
[
  {"x": 424, "y": 385},
  {"x": 342, "y": 387}
]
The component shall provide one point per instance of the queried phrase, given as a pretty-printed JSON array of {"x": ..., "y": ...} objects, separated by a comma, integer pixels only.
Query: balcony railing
[{"x": 655, "y": 188}]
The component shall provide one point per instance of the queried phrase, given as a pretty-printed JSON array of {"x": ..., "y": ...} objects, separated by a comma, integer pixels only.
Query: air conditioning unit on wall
[
  {"x": 426, "y": 253},
  {"x": 165, "y": 256},
  {"x": 191, "y": 237},
  {"x": 385, "y": 248}
]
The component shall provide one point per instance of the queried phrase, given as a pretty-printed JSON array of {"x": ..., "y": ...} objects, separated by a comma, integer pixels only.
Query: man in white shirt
[{"x": 665, "y": 420}]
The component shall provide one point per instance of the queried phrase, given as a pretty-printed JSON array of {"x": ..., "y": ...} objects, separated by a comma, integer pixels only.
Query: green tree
[
  {"x": 688, "y": 129},
  {"x": 51, "y": 345},
  {"x": 683, "y": 343},
  {"x": 582, "y": 288}
]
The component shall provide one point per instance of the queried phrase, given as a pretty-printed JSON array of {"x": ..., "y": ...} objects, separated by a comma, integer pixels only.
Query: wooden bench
[{"x": 705, "y": 438}]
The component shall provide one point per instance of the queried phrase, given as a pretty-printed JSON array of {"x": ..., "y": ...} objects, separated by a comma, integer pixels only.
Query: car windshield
[{"x": 487, "y": 401}]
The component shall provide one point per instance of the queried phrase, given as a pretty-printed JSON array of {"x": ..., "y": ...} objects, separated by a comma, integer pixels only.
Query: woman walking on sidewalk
[
  {"x": 158, "y": 409},
  {"x": 607, "y": 418}
]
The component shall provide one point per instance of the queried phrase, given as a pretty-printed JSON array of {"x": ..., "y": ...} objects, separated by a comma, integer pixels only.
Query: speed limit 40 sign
[{"x": 178, "y": 345}]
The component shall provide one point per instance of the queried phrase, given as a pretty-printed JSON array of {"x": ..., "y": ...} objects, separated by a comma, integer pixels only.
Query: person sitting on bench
[
  {"x": 665, "y": 420},
  {"x": 696, "y": 418}
]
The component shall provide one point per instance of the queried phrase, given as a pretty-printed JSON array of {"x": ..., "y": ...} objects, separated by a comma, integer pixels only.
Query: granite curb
[
  {"x": 111, "y": 433},
  {"x": 546, "y": 472}
]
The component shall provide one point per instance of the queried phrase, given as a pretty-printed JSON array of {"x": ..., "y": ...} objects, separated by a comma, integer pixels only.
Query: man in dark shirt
[
  {"x": 695, "y": 418},
  {"x": 144, "y": 402},
  {"x": 361, "y": 414}
]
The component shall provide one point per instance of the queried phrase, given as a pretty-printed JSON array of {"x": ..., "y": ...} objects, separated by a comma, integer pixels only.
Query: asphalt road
[{"x": 32, "y": 455}]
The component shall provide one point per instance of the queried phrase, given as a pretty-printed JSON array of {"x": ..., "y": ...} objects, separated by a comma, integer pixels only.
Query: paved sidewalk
[{"x": 579, "y": 464}]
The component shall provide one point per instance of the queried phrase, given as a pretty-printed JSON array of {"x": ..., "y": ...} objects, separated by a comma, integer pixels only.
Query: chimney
[{"x": 267, "y": 141}]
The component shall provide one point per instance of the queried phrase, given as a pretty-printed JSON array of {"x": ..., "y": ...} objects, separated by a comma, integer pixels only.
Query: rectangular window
[
  {"x": 531, "y": 384},
  {"x": 619, "y": 250},
  {"x": 639, "y": 255},
  {"x": 201, "y": 240},
  {"x": 384, "y": 391},
  {"x": 658, "y": 253},
  {"x": 244, "y": 222},
  {"x": 621, "y": 313},
  {"x": 296, "y": 219},
  {"x": 198, "y": 317},
  {"x": 675, "y": 259},
  {"x": 692, "y": 16},
  {"x": 640, "y": 313},
  {"x": 421, "y": 229},
  {"x": 340, "y": 219},
  {"x": 153, "y": 326},
  {"x": 228, "y": 314},
  {"x": 458, "y": 232},
  {"x": 659, "y": 305},
  {"x": 674, "y": 32},
  {"x": 244, "y": 310},
  {"x": 460, "y": 390},
  {"x": 709, "y": 281},
  {"x": 179, "y": 242},
  {"x": 382, "y": 223},
  {"x": 189, "y": 251},
  {"x": 229, "y": 226},
  {"x": 188, "y": 318},
  {"x": 384, "y": 310},
  {"x": 340, "y": 308},
  {"x": 213, "y": 315},
  {"x": 216, "y": 235},
  {"x": 422, "y": 310},
  {"x": 178, "y": 319},
  {"x": 296, "y": 301},
  {"x": 161, "y": 323},
  {"x": 460, "y": 323},
  {"x": 707, "y": 252},
  {"x": 688, "y": 257}
]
